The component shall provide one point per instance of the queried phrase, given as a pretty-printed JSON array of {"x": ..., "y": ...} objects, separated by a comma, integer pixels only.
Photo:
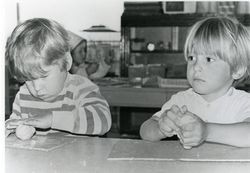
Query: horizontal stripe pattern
[
  {"x": 29, "y": 97},
  {"x": 80, "y": 98},
  {"x": 84, "y": 91},
  {"x": 41, "y": 112}
]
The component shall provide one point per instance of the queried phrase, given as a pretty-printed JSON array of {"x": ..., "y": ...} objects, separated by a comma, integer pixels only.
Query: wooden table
[
  {"x": 137, "y": 97},
  {"x": 90, "y": 155}
]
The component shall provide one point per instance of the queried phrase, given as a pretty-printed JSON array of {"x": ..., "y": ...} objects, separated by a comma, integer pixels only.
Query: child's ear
[
  {"x": 239, "y": 73},
  {"x": 69, "y": 61}
]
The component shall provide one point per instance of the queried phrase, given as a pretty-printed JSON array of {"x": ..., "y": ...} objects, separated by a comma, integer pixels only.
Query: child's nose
[{"x": 198, "y": 65}]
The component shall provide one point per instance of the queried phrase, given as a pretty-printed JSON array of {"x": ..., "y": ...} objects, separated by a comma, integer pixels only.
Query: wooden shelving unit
[
  {"x": 144, "y": 20},
  {"x": 142, "y": 14},
  {"x": 150, "y": 14},
  {"x": 157, "y": 51}
]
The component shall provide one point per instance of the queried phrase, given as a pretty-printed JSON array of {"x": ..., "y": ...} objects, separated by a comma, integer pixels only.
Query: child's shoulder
[
  {"x": 23, "y": 89},
  {"x": 76, "y": 83},
  {"x": 77, "y": 80},
  {"x": 185, "y": 95},
  {"x": 240, "y": 94},
  {"x": 80, "y": 85}
]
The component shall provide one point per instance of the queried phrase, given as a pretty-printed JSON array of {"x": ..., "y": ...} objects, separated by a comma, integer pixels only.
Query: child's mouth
[{"x": 198, "y": 80}]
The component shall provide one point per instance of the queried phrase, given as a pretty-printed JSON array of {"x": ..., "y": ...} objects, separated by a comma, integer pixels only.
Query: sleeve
[
  {"x": 175, "y": 99},
  {"x": 245, "y": 114},
  {"x": 16, "y": 111},
  {"x": 91, "y": 114}
]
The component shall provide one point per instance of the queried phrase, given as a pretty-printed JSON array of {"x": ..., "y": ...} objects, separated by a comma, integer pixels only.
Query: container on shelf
[
  {"x": 136, "y": 74},
  {"x": 243, "y": 7},
  {"x": 156, "y": 70},
  {"x": 207, "y": 7},
  {"x": 174, "y": 7},
  {"x": 176, "y": 83}
]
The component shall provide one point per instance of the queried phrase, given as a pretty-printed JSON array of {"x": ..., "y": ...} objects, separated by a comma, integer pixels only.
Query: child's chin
[{"x": 200, "y": 90}]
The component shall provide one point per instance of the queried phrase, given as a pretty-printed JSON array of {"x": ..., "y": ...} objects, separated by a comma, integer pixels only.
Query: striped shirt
[{"x": 79, "y": 108}]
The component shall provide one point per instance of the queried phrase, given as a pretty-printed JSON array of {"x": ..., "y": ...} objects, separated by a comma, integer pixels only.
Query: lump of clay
[{"x": 25, "y": 132}]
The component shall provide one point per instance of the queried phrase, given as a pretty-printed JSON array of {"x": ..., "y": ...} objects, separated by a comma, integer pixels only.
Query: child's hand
[
  {"x": 193, "y": 130},
  {"x": 11, "y": 125},
  {"x": 43, "y": 122},
  {"x": 170, "y": 121}
]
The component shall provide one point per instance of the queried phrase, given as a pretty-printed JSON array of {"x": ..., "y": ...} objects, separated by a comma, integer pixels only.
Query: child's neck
[{"x": 214, "y": 96}]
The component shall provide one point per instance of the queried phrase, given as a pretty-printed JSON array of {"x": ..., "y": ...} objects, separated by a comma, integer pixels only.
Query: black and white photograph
[{"x": 125, "y": 86}]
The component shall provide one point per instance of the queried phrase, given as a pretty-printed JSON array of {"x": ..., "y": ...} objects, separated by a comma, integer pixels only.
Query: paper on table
[
  {"x": 41, "y": 143},
  {"x": 173, "y": 151}
]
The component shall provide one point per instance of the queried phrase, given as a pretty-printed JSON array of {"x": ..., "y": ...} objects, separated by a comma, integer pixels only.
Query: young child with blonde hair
[
  {"x": 38, "y": 54},
  {"x": 217, "y": 51}
]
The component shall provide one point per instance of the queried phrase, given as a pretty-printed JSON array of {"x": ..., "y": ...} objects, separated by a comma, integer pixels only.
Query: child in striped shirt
[{"x": 38, "y": 54}]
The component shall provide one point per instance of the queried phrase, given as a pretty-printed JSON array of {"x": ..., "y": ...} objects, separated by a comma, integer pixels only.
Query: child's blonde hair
[
  {"x": 34, "y": 44},
  {"x": 222, "y": 37}
]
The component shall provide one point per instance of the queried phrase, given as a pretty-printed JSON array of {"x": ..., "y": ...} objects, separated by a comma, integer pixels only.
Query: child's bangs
[
  {"x": 208, "y": 44},
  {"x": 30, "y": 68},
  {"x": 204, "y": 47}
]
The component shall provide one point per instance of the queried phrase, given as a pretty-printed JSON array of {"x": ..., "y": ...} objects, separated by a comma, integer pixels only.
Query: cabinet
[
  {"x": 155, "y": 46},
  {"x": 151, "y": 37}
]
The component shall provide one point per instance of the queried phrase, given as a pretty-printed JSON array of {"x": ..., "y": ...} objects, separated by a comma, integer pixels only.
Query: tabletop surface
[{"x": 95, "y": 154}]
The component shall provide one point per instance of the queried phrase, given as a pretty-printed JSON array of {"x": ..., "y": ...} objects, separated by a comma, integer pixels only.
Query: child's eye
[
  {"x": 190, "y": 58},
  {"x": 44, "y": 75},
  {"x": 209, "y": 59}
]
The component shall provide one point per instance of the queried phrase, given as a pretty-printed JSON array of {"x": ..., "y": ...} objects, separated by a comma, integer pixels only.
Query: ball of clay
[{"x": 25, "y": 132}]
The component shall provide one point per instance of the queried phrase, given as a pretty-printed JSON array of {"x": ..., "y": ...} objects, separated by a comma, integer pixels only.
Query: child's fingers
[
  {"x": 175, "y": 109},
  {"x": 163, "y": 126},
  {"x": 10, "y": 127},
  {"x": 31, "y": 122},
  {"x": 163, "y": 123},
  {"x": 187, "y": 147},
  {"x": 191, "y": 141},
  {"x": 180, "y": 112},
  {"x": 170, "y": 123},
  {"x": 8, "y": 132},
  {"x": 186, "y": 119},
  {"x": 187, "y": 134},
  {"x": 187, "y": 127},
  {"x": 166, "y": 133},
  {"x": 13, "y": 124},
  {"x": 180, "y": 136},
  {"x": 184, "y": 109},
  {"x": 174, "y": 118}
]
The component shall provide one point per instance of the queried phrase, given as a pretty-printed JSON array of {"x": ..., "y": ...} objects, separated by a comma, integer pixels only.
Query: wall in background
[{"x": 74, "y": 15}]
